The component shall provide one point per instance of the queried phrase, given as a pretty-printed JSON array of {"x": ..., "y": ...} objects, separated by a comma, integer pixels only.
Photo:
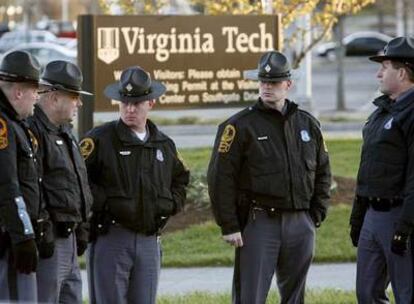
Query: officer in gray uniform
[
  {"x": 382, "y": 218},
  {"x": 66, "y": 190},
  {"x": 20, "y": 201},
  {"x": 269, "y": 180},
  {"x": 138, "y": 181}
]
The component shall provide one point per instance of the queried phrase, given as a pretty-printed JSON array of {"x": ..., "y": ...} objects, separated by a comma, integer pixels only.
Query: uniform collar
[
  {"x": 126, "y": 135},
  {"x": 291, "y": 107},
  {"x": 7, "y": 108},
  {"x": 386, "y": 103}
]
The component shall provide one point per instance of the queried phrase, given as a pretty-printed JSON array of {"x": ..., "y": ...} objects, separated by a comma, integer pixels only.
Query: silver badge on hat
[
  {"x": 160, "y": 155},
  {"x": 267, "y": 68},
  {"x": 305, "y": 136},
  {"x": 388, "y": 125},
  {"x": 128, "y": 87}
]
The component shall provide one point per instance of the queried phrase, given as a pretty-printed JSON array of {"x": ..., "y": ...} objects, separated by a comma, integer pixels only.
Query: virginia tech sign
[{"x": 200, "y": 59}]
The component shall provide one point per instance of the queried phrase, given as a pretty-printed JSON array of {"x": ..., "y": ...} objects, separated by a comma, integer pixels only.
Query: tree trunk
[
  {"x": 380, "y": 10},
  {"x": 340, "y": 54}
]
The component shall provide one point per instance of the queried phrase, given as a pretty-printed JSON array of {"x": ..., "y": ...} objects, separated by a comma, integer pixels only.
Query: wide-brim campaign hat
[
  {"x": 398, "y": 49},
  {"x": 273, "y": 67},
  {"x": 19, "y": 66},
  {"x": 63, "y": 75},
  {"x": 134, "y": 85}
]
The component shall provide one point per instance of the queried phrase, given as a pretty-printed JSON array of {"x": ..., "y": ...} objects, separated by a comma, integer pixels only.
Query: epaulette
[
  {"x": 312, "y": 118},
  {"x": 233, "y": 119}
]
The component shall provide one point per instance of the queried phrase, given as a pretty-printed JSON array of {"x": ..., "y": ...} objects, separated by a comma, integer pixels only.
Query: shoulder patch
[
  {"x": 87, "y": 145},
  {"x": 4, "y": 141},
  {"x": 227, "y": 139},
  {"x": 34, "y": 141}
]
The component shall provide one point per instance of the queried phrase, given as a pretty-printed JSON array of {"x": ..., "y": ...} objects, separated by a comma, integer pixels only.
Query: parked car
[
  {"x": 356, "y": 44},
  {"x": 12, "y": 39},
  {"x": 46, "y": 51}
]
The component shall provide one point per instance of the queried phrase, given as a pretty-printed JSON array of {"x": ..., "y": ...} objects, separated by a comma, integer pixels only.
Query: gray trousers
[
  {"x": 124, "y": 267},
  {"x": 14, "y": 286},
  {"x": 377, "y": 265},
  {"x": 58, "y": 277},
  {"x": 284, "y": 245}
]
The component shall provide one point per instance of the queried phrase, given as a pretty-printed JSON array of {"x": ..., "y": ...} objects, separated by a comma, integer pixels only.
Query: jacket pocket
[
  {"x": 309, "y": 178},
  {"x": 165, "y": 205}
]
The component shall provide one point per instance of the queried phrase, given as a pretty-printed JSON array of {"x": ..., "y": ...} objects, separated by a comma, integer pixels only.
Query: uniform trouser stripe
[
  {"x": 92, "y": 296},
  {"x": 12, "y": 278},
  {"x": 236, "y": 278}
]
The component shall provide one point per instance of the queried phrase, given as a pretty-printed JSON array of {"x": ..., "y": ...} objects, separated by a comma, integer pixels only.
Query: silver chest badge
[
  {"x": 305, "y": 136},
  {"x": 160, "y": 155},
  {"x": 388, "y": 125}
]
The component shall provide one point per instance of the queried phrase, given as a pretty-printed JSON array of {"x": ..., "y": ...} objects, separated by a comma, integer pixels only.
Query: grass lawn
[
  {"x": 328, "y": 296},
  {"x": 201, "y": 245}
]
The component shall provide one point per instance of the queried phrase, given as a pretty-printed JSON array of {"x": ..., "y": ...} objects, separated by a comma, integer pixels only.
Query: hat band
[
  {"x": 267, "y": 75},
  {"x": 60, "y": 85},
  {"x": 14, "y": 78},
  {"x": 146, "y": 92}
]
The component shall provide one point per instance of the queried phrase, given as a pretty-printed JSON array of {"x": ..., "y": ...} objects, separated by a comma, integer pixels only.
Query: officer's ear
[
  {"x": 151, "y": 103},
  {"x": 289, "y": 84}
]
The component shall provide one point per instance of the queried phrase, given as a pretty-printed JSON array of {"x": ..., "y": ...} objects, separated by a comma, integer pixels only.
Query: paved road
[{"x": 218, "y": 279}]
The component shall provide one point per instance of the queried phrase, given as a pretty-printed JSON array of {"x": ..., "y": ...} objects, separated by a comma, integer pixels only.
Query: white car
[
  {"x": 46, "y": 51},
  {"x": 11, "y": 39}
]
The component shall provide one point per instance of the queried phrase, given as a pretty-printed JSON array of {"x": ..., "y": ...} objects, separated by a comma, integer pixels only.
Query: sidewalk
[{"x": 219, "y": 279}]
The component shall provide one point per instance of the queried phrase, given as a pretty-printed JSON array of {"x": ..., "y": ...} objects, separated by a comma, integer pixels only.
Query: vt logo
[{"x": 108, "y": 44}]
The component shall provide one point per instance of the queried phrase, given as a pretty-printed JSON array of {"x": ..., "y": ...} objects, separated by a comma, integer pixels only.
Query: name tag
[
  {"x": 59, "y": 142},
  {"x": 262, "y": 138},
  {"x": 125, "y": 153}
]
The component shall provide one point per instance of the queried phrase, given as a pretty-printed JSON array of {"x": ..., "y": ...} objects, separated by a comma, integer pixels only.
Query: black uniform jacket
[
  {"x": 279, "y": 161},
  {"x": 387, "y": 158},
  {"x": 136, "y": 182},
  {"x": 65, "y": 180},
  {"x": 20, "y": 200}
]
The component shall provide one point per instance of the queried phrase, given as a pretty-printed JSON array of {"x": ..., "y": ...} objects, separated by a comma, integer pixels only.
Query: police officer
[
  {"x": 269, "y": 180},
  {"x": 383, "y": 212},
  {"x": 20, "y": 203},
  {"x": 138, "y": 181},
  {"x": 65, "y": 183}
]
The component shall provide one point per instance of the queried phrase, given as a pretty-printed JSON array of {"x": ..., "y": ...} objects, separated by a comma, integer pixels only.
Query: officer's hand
[
  {"x": 234, "y": 239},
  {"x": 25, "y": 256},
  {"x": 354, "y": 234},
  {"x": 46, "y": 249},
  {"x": 399, "y": 243},
  {"x": 81, "y": 246}
]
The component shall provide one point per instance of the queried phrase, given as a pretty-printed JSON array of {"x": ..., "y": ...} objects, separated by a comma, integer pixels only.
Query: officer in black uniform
[
  {"x": 66, "y": 190},
  {"x": 382, "y": 218},
  {"x": 269, "y": 180},
  {"x": 20, "y": 201},
  {"x": 137, "y": 181}
]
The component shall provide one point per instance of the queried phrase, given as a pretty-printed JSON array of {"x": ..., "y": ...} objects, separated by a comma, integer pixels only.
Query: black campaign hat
[
  {"x": 274, "y": 66},
  {"x": 63, "y": 75},
  {"x": 19, "y": 66},
  {"x": 398, "y": 49},
  {"x": 134, "y": 85}
]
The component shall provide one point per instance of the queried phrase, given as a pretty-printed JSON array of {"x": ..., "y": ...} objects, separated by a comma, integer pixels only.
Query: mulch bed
[{"x": 343, "y": 194}]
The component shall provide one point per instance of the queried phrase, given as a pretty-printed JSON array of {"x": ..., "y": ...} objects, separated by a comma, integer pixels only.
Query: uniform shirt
[
  {"x": 387, "y": 158},
  {"x": 134, "y": 182},
  {"x": 20, "y": 201},
  {"x": 65, "y": 179},
  {"x": 279, "y": 161}
]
